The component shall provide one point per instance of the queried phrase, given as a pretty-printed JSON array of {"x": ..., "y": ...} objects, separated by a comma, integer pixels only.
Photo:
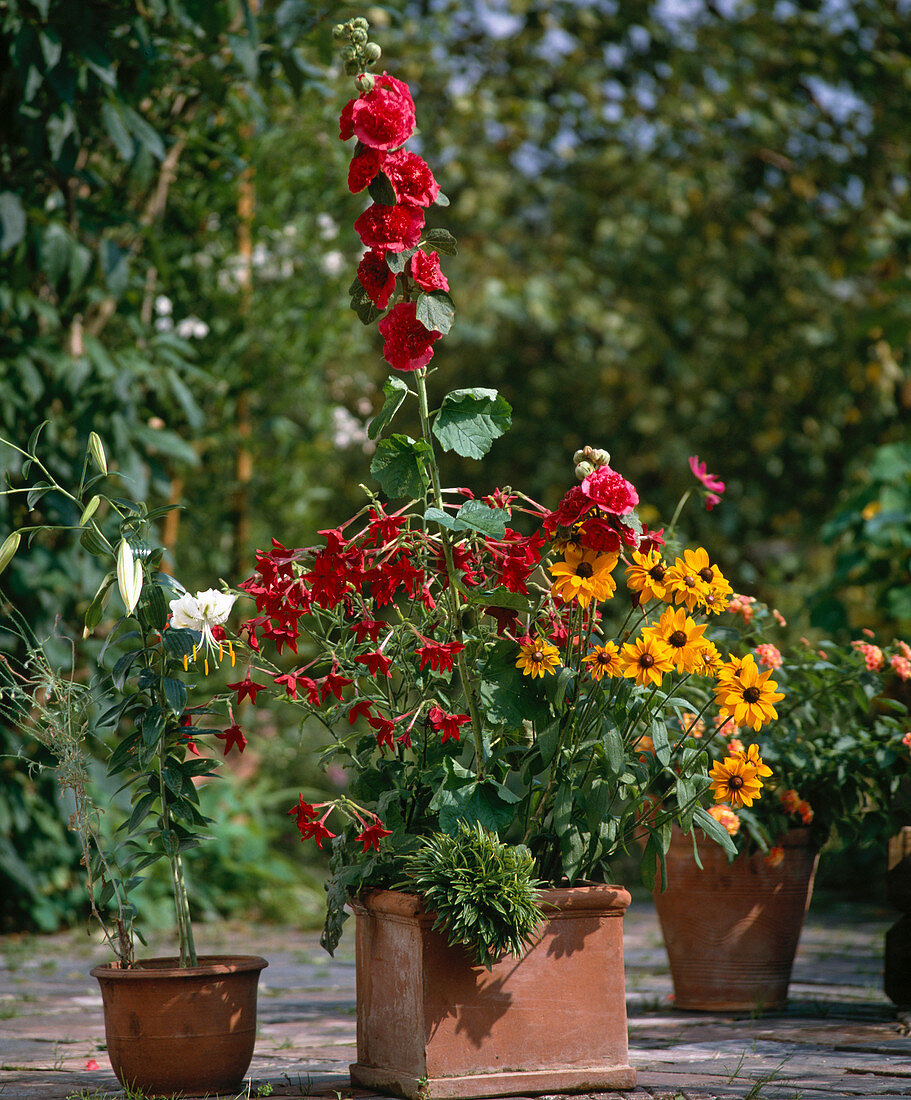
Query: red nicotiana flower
[
  {"x": 610, "y": 491},
  {"x": 408, "y": 345},
  {"x": 425, "y": 270},
  {"x": 373, "y": 834},
  {"x": 375, "y": 662},
  {"x": 650, "y": 540},
  {"x": 365, "y": 164},
  {"x": 411, "y": 178},
  {"x": 360, "y": 709},
  {"x": 439, "y": 655},
  {"x": 307, "y": 825},
  {"x": 376, "y": 278},
  {"x": 447, "y": 724},
  {"x": 385, "y": 730},
  {"x": 246, "y": 689},
  {"x": 333, "y": 684},
  {"x": 382, "y": 118},
  {"x": 367, "y": 628},
  {"x": 231, "y": 737},
  {"x": 390, "y": 228},
  {"x": 383, "y": 529},
  {"x": 507, "y": 620}
]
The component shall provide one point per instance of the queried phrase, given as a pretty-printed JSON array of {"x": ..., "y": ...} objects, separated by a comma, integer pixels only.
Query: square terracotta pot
[{"x": 431, "y": 1024}]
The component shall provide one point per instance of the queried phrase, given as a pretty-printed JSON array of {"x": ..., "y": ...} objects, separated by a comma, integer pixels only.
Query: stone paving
[{"x": 840, "y": 1036}]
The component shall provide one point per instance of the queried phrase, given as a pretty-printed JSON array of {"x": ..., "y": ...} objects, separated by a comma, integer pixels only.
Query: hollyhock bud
[
  {"x": 372, "y": 53},
  {"x": 365, "y": 82},
  {"x": 583, "y": 469}
]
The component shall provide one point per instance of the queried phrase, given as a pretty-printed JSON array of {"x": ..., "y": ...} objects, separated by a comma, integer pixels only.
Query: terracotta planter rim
[
  {"x": 596, "y": 896},
  {"x": 168, "y": 967}
]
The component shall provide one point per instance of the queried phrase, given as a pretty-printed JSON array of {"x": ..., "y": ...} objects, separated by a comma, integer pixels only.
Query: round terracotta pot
[
  {"x": 731, "y": 929},
  {"x": 171, "y": 1029},
  {"x": 434, "y": 1025}
]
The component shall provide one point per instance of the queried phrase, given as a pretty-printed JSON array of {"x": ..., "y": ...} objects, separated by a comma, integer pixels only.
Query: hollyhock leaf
[
  {"x": 398, "y": 466},
  {"x": 442, "y": 240},
  {"x": 395, "y": 391},
  {"x": 366, "y": 311},
  {"x": 381, "y": 190},
  {"x": 436, "y": 311},
  {"x": 470, "y": 420},
  {"x": 474, "y": 515},
  {"x": 444, "y": 519},
  {"x": 398, "y": 261}
]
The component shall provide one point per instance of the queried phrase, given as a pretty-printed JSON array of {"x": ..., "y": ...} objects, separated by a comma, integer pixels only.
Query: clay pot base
[{"x": 519, "y": 1083}]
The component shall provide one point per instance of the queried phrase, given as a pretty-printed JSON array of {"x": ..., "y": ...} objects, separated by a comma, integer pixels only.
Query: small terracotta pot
[
  {"x": 731, "y": 929},
  {"x": 171, "y": 1029},
  {"x": 431, "y": 1023}
]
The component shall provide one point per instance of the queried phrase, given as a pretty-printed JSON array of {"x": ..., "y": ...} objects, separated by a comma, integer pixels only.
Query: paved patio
[{"x": 840, "y": 1036}]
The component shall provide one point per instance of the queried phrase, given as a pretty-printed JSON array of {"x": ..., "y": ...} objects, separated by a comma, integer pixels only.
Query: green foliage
[
  {"x": 871, "y": 532},
  {"x": 483, "y": 892}
]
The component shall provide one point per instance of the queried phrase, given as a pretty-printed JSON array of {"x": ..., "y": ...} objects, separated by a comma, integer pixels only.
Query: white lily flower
[{"x": 202, "y": 613}]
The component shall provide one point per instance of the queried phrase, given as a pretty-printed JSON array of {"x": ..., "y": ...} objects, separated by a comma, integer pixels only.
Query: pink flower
[
  {"x": 425, "y": 270},
  {"x": 768, "y": 656},
  {"x": 376, "y": 278},
  {"x": 901, "y": 666},
  {"x": 610, "y": 491},
  {"x": 408, "y": 345},
  {"x": 742, "y": 605},
  {"x": 872, "y": 655},
  {"x": 906, "y": 740},
  {"x": 91, "y": 1064},
  {"x": 390, "y": 228},
  {"x": 411, "y": 178},
  {"x": 700, "y": 472},
  {"x": 778, "y": 617},
  {"x": 382, "y": 118}
]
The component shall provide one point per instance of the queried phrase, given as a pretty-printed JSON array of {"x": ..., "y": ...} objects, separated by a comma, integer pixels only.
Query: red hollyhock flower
[
  {"x": 411, "y": 178},
  {"x": 231, "y": 737},
  {"x": 365, "y": 164},
  {"x": 425, "y": 270},
  {"x": 376, "y": 662},
  {"x": 598, "y": 533},
  {"x": 610, "y": 491},
  {"x": 408, "y": 345},
  {"x": 373, "y": 834},
  {"x": 246, "y": 689},
  {"x": 447, "y": 724},
  {"x": 570, "y": 510},
  {"x": 439, "y": 655},
  {"x": 376, "y": 278},
  {"x": 382, "y": 118},
  {"x": 390, "y": 228}
]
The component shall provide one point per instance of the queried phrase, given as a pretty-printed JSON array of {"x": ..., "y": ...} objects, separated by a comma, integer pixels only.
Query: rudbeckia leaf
[
  {"x": 470, "y": 420},
  {"x": 395, "y": 391},
  {"x": 398, "y": 466}
]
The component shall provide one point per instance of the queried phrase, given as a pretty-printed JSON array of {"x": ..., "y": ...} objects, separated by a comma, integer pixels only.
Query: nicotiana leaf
[
  {"x": 395, "y": 391},
  {"x": 470, "y": 420}
]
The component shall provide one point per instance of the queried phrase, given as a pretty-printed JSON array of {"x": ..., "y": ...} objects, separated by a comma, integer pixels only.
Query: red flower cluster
[
  {"x": 382, "y": 120},
  {"x": 593, "y": 511}
]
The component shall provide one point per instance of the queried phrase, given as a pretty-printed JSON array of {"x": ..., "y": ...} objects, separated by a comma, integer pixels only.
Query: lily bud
[
  {"x": 90, "y": 509},
  {"x": 129, "y": 576},
  {"x": 96, "y": 449},
  {"x": 9, "y": 548}
]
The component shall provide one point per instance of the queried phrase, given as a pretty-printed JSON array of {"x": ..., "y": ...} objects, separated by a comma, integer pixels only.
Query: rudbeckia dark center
[
  {"x": 677, "y": 639},
  {"x": 707, "y": 575},
  {"x": 646, "y": 660},
  {"x": 689, "y": 580},
  {"x": 584, "y": 569},
  {"x": 735, "y": 782},
  {"x": 752, "y": 694},
  {"x": 657, "y": 572}
]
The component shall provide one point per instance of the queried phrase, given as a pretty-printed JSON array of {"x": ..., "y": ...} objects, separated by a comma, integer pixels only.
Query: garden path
[{"x": 840, "y": 1037}]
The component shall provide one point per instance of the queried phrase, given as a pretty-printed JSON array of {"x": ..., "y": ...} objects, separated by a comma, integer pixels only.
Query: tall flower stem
[{"x": 421, "y": 379}]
